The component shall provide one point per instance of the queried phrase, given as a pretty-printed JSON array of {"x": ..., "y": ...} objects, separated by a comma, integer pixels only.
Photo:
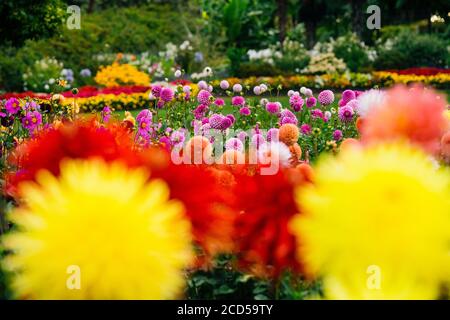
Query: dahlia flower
[
  {"x": 415, "y": 114},
  {"x": 369, "y": 100},
  {"x": 346, "y": 113},
  {"x": 326, "y": 97},
  {"x": 376, "y": 224},
  {"x": 65, "y": 217},
  {"x": 12, "y": 105}
]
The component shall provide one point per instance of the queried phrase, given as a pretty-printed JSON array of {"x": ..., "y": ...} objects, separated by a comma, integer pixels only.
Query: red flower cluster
[
  {"x": 204, "y": 199},
  {"x": 423, "y": 71},
  {"x": 80, "y": 140},
  {"x": 83, "y": 92},
  {"x": 263, "y": 240}
]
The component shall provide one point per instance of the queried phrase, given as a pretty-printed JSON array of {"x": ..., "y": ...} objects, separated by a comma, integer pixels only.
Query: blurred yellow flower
[
  {"x": 99, "y": 231},
  {"x": 376, "y": 224},
  {"x": 121, "y": 74}
]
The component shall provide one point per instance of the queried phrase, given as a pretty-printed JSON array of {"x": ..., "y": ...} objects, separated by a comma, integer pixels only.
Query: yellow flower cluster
[
  {"x": 121, "y": 101},
  {"x": 121, "y": 74},
  {"x": 343, "y": 80}
]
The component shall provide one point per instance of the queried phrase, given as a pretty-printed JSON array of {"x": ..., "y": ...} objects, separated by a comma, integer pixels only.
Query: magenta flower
[
  {"x": 346, "y": 113},
  {"x": 287, "y": 120},
  {"x": 273, "y": 107},
  {"x": 32, "y": 120},
  {"x": 205, "y": 120},
  {"x": 326, "y": 97},
  {"x": 245, "y": 111},
  {"x": 166, "y": 94},
  {"x": 156, "y": 90},
  {"x": 305, "y": 129},
  {"x": 311, "y": 102},
  {"x": 296, "y": 102},
  {"x": 317, "y": 113},
  {"x": 160, "y": 104},
  {"x": 12, "y": 106},
  {"x": 337, "y": 135},
  {"x": 215, "y": 121},
  {"x": 226, "y": 123},
  {"x": 348, "y": 95},
  {"x": 231, "y": 117},
  {"x": 219, "y": 102},
  {"x": 242, "y": 135},
  {"x": 203, "y": 97},
  {"x": 144, "y": 127},
  {"x": 106, "y": 114},
  {"x": 238, "y": 101},
  {"x": 144, "y": 114}
]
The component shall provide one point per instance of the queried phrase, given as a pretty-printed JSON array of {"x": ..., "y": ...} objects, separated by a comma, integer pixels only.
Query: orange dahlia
[{"x": 414, "y": 114}]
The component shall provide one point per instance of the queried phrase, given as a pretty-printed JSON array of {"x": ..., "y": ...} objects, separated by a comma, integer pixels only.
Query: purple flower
[
  {"x": 178, "y": 136},
  {"x": 326, "y": 97},
  {"x": 273, "y": 107},
  {"x": 287, "y": 120},
  {"x": 166, "y": 94},
  {"x": 311, "y": 102},
  {"x": 203, "y": 97},
  {"x": 296, "y": 102},
  {"x": 85, "y": 73},
  {"x": 348, "y": 95},
  {"x": 226, "y": 123},
  {"x": 144, "y": 127},
  {"x": 12, "y": 106},
  {"x": 238, "y": 101},
  {"x": 337, "y": 135},
  {"x": 32, "y": 120},
  {"x": 231, "y": 117},
  {"x": 346, "y": 113},
  {"x": 31, "y": 106},
  {"x": 106, "y": 114},
  {"x": 305, "y": 129},
  {"x": 245, "y": 111},
  {"x": 215, "y": 121},
  {"x": 144, "y": 114},
  {"x": 257, "y": 140},
  {"x": 273, "y": 134},
  {"x": 160, "y": 104},
  {"x": 205, "y": 120},
  {"x": 166, "y": 142},
  {"x": 234, "y": 144},
  {"x": 317, "y": 113},
  {"x": 156, "y": 90},
  {"x": 237, "y": 88},
  {"x": 286, "y": 113}
]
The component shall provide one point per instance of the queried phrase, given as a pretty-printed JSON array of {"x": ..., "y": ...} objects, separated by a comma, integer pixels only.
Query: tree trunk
[
  {"x": 282, "y": 18},
  {"x": 358, "y": 11},
  {"x": 91, "y": 6}
]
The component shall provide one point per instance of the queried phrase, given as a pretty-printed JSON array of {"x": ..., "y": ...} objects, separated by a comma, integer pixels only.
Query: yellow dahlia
[
  {"x": 99, "y": 231},
  {"x": 376, "y": 224}
]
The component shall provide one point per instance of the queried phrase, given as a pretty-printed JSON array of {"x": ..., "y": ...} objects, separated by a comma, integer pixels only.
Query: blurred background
[{"x": 236, "y": 38}]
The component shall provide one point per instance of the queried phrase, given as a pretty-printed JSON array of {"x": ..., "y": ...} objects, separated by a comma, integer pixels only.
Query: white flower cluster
[
  {"x": 207, "y": 72},
  {"x": 264, "y": 55},
  {"x": 325, "y": 63}
]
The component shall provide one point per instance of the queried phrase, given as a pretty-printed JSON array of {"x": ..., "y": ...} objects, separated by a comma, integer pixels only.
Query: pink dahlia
[
  {"x": 156, "y": 90},
  {"x": 305, "y": 129},
  {"x": 203, "y": 97},
  {"x": 166, "y": 94},
  {"x": 311, "y": 102},
  {"x": 326, "y": 97},
  {"x": 245, "y": 111},
  {"x": 12, "y": 105},
  {"x": 346, "y": 113},
  {"x": 238, "y": 101},
  {"x": 273, "y": 107}
]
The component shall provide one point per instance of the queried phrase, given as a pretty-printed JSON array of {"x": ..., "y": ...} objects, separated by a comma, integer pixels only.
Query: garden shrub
[{"x": 412, "y": 50}]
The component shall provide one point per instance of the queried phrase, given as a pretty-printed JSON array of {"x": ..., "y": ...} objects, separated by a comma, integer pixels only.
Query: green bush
[
  {"x": 356, "y": 55},
  {"x": 409, "y": 50},
  {"x": 257, "y": 69},
  {"x": 132, "y": 30}
]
